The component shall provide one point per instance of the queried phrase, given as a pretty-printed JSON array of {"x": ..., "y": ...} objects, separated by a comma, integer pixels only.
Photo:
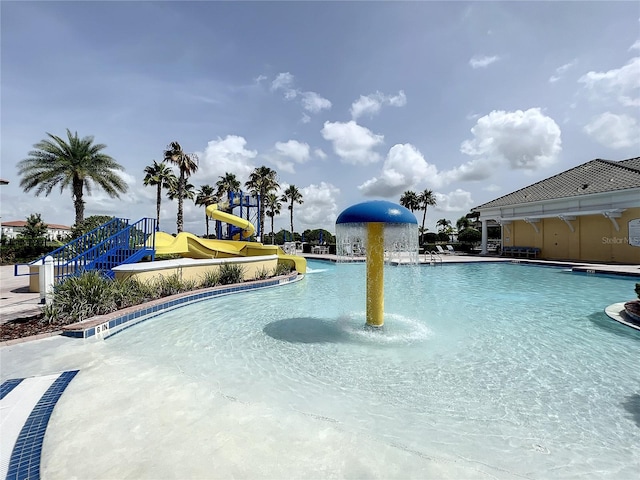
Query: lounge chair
[
  {"x": 441, "y": 250},
  {"x": 451, "y": 250}
]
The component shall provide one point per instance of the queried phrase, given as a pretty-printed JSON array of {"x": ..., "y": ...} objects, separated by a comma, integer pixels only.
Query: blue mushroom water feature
[{"x": 376, "y": 230}]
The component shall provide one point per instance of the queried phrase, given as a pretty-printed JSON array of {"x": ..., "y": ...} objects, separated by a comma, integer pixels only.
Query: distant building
[
  {"x": 54, "y": 232},
  {"x": 588, "y": 213}
]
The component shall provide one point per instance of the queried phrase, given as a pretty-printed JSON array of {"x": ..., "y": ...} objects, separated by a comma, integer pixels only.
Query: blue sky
[{"x": 348, "y": 101}]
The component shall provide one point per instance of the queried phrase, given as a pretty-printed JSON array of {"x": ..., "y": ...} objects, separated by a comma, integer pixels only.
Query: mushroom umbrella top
[{"x": 376, "y": 211}]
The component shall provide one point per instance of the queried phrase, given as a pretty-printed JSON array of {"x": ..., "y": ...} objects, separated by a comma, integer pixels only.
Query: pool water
[{"x": 481, "y": 371}]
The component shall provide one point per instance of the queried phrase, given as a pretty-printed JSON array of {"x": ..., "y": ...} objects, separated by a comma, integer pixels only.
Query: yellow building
[{"x": 588, "y": 213}]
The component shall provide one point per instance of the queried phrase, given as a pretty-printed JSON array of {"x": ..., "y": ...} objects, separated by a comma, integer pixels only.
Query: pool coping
[{"x": 617, "y": 312}]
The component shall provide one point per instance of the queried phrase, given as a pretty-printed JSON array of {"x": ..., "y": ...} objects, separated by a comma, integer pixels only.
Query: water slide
[{"x": 191, "y": 246}]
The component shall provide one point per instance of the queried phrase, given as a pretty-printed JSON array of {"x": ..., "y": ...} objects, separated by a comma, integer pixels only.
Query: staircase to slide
[{"x": 114, "y": 243}]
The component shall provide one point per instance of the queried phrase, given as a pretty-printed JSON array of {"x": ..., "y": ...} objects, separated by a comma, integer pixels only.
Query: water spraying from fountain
[{"x": 377, "y": 231}]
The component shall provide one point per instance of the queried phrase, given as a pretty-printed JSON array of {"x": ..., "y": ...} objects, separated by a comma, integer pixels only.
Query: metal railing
[{"x": 114, "y": 243}]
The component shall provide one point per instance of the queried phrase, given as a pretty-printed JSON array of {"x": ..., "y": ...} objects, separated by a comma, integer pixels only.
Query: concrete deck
[{"x": 15, "y": 299}]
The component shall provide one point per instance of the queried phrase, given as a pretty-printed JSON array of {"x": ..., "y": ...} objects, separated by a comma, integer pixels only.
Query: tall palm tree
[
  {"x": 227, "y": 184},
  {"x": 161, "y": 176},
  {"x": 426, "y": 199},
  {"x": 204, "y": 197},
  {"x": 188, "y": 192},
  {"x": 273, "y": 206},
  {"x": 261, "y": 181},
  {"x": 78, "y": 163},
  {"x": 187, "y": 164},
  {"x": 462, "y": 223},
  {"x": 444, "y": 224},
  {"x": 292, "y": 195},
  {"x": 410, "y": 200}
]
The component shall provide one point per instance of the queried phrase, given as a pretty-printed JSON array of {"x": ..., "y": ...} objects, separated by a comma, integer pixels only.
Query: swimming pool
[{"x": 492, "y": 370}]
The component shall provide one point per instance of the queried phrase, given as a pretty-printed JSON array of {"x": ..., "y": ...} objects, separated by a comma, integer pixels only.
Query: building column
[{"x": 484, "y": 237}]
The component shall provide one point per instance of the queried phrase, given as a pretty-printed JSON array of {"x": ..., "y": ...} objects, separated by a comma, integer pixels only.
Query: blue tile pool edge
[
  {"x": 9, "y": 385},
  {"x": 27, "y": 452},
  {"x": 121, "y": 322}
]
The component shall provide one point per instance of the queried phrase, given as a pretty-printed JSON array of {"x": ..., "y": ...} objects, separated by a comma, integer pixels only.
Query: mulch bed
[{"x": 26, "y": 327}]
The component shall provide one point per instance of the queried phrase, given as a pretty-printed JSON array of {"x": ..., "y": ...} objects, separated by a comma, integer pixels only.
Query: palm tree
[
  {"x": 188, "y": 192},
  {"x": 426, "y": 199},
  {"x": 410, "y": 200},
  {"x": 444, "y": 224},
  {"x": 227, "y": 184},
  {"x": 462, "y": 223},
  {"x": 187, "y": 164},
  {"x": 161, "y": 176},
  {"x": 273, "y": 206},
  {"x": 261, "y": 181},
  {"x": 204, "y": 197},
  {"x": 78, "y": 162},
  {"x": 293, "y": 195}
]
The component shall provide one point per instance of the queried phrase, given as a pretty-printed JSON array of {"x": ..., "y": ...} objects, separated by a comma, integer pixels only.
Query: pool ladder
[{"x": 434, "y": 258}]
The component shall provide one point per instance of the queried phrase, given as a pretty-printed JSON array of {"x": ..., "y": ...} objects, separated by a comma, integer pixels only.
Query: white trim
[{"x": 567, "y": 219}]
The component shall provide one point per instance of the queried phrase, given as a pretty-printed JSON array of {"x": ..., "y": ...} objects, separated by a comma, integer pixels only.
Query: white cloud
[
  {"x": 283, "y": 81},
  {"x": 297, "y": 151},
  {"x": 312, "y": 102},
  {"x": 620, "y": 84},
  {"x": 483, "y": 61},
  {"x": 521, "y": 140},
  {"x": 352, "y": 143},
  {"x": 319, "y": 209},
  {"x": 560, "y": 71},
  {"x": 635, "y": 46},
  {"x": 287, "y": 154},
  {"x": 319, "y": 153},
  {"x": 492, "y": 188},
  {"x": 224, "y": 155},
  {"x": 403, "y": 168},
  {"x": 457, "y": 201},
  {"x": 371, "y": 104},
  {"x": 614, "y": 131}
]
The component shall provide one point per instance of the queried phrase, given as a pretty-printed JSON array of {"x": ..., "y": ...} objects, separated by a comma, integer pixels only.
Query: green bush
[
  {"x": 282, "y": 269},
  {"x": 231, "y": 273},
  {"x": 262, "y": 274},
  {"x": 211, "y": 278},
  {"x": 83, "y": 296}
]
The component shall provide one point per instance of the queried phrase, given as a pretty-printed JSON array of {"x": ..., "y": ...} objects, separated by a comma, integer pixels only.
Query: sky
[{"x": 348, "y": 101}]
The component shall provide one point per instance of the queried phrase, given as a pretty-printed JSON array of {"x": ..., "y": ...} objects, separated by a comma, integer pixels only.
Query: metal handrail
[
  {"x": 123, "y": 244},
  {"x": 433, "y": 257}
]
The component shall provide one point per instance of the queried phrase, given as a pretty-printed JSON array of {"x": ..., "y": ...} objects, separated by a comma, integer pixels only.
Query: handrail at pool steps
[
  {"x": 114, "y": 243},
  {"x": 523, "y": 252}
]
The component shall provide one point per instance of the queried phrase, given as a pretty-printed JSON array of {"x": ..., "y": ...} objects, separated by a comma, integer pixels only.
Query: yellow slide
[
  {"x": 191, "y": 246},
  {"x": 246, "y": 226}
]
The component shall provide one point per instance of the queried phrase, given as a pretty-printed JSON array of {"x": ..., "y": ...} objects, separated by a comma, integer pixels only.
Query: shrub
[
  {"x": 282, "y": 269},
  {"x": 169, "y": 285},
  {"x": 262, "y": 274},
  {"x": 211, "y": 278},
  {"x": 83, "y": 296},
  {"x": 231, "y": 273}
]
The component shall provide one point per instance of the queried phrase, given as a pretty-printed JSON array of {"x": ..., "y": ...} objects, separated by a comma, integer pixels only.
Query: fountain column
[
  {"x": 379, "y": 225},
  {"x": 375, "y": 274}
]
